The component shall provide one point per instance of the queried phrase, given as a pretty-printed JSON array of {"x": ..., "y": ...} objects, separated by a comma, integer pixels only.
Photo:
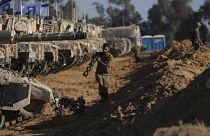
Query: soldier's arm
[
  {"x": 110, "y": 60},
  {"x": 96, "y": 55},
  {"x": 108, "y": 63}
]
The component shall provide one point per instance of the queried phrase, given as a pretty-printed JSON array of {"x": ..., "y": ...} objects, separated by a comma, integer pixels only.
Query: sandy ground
[{"x": 72, "y": 84}]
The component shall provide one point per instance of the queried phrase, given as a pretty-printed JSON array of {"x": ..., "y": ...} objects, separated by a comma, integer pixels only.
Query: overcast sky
[{"x": 141, "y": 5}]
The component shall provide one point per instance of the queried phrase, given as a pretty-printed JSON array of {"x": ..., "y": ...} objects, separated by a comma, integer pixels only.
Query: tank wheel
[{"x": 2, "y": 120}]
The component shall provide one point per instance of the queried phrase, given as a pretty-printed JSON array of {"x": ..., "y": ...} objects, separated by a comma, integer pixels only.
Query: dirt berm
[{"x": 167, "y": 94}]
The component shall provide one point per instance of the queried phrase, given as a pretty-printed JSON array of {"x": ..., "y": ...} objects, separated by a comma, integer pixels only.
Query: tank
[
  {"x": 29, "y": 47},
  {"x": 26, "y": 47},
  {"x": 32, "y": 54},
  {"x": 21, "y": 97},
  {"x": 33, "y": 58},
  {"x": 76, "y": 52}
]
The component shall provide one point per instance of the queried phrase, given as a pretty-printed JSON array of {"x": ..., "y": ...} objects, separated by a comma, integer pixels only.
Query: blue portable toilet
[
  {"x": 158, "y": 42},
  {"x": 147, "y": 40}
]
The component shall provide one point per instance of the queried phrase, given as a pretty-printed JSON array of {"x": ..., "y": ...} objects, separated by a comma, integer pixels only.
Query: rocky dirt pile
[
  {"x": 198, "y": 129},
  {"x": 175, "y": 71},
  {"x": 170, "y": 71},
  {"x": 189, "y": 105}
]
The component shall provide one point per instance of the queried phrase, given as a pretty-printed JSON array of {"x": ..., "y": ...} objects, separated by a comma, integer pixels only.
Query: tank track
[
  {"x": 21, "y": 120},
  {"x": 90, "y": 66},
  {"x": 77, "y": 106}
]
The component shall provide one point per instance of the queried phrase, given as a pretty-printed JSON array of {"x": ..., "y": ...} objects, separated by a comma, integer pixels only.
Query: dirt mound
[
  {"x": 177, "y": 49},
  {"x": 184, "y": 130},
  {"x": 175, "y": 70},
  {"x": 189, "y": 105},
  {"x": 169, "y": 72},
  {"x": 178, "y": 80}
]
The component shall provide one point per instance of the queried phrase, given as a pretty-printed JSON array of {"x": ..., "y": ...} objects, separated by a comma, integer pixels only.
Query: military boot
[{"x": 104, "y": 95}]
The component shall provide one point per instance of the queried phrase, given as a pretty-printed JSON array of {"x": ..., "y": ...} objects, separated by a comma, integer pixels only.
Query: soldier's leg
[
  {"x": 99, "y": 79},
  {"x": 137, "y": 59},
  {"x": 195, "y": 46},
  {"x": 105, "y": 92},
  {"x": 106, "y": 86},
  {"x": 101, "y": 90}
]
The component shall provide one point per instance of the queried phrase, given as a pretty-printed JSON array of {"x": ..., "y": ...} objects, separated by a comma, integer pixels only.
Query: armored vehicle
[
  {"x": 21, "y": 98},
  {"x": 122, "y": 39},
  {"x": 33, "y": 56},
  {"x": 30, "y": 54}
]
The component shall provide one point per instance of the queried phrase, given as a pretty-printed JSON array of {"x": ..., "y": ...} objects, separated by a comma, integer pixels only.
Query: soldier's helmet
[{"x": 198, "y": 24}]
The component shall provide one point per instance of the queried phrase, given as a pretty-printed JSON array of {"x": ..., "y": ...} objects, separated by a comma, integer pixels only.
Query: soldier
[
  {"x": 136, "y": 50},
  {"x": 196, "y": 41},
  {"x": 102, "y": 71}
]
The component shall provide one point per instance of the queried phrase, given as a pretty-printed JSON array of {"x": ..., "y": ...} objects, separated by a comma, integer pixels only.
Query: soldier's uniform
[
  {"x": 196, "y": 41},
  {"x": 102, "y": 71},
  {"x": 136, "y": 50}
]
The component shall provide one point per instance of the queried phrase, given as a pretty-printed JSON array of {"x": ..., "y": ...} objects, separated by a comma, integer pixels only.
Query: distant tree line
[{"x": 173, "y": 18}]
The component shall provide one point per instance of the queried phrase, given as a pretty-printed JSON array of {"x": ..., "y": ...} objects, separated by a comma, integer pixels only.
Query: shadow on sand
[{"x": 125, "y": 114}]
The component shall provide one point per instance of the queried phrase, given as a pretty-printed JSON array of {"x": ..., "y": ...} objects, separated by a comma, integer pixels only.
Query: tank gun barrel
[{"x": 9, "y": 37}]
